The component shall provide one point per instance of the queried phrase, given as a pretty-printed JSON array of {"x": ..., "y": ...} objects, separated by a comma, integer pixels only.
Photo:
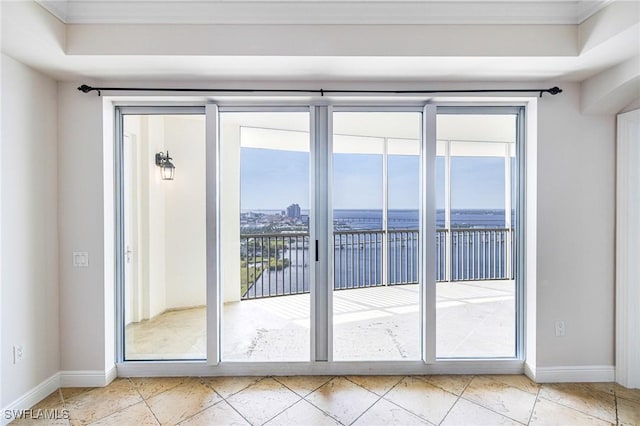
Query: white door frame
[
  {"x": 133, "y": 307},
  {"x": 628, "y": 251},
  {"x": 213, "y": 366}
]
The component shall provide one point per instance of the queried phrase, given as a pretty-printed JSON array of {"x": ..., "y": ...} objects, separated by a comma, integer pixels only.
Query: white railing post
[
  {"x": 386, "y": 270},
  {"x": 447, "y": 212},
  {"x": 507, "y": 210}
]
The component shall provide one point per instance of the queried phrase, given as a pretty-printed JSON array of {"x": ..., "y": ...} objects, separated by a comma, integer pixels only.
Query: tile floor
[
  {"x": 351, "y": 400},
  {"x": 474, "y": 319}
]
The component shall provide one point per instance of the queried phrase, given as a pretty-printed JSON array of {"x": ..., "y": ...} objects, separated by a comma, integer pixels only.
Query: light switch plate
[{"x": 80, "y": 259}]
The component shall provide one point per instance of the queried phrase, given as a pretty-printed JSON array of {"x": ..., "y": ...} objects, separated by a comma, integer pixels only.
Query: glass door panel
[
  {"x": 376, "y": 198},
  {"x": 164, "y": 237},
  {"x": 265, "y": 257},
  {"x": 475, "y": 293}
]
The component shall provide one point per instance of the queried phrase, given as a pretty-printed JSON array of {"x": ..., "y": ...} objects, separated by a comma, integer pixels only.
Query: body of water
[{"x": 476, "y": 251}]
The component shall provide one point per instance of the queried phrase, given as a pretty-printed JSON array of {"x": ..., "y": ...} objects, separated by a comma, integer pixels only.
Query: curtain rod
[{"x": 86, "y": 89}]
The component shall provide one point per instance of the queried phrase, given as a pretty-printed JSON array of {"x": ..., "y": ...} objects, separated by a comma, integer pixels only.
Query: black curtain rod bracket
[{"x": 86, "y": 89}]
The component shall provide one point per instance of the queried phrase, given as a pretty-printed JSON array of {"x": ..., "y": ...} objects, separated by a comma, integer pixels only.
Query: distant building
[{"x": 293, "y": 211}]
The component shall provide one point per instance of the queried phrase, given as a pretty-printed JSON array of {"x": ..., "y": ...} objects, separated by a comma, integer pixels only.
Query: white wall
[
  {"x": 80, "y": 227},
  {"x": 632, "y": 106},
  {"x": 29, "y": 168},
  {"x": 230, "y": 218},
  {"x": 576, "y": 206},
  {"x": 154, "y": 215},
  {"x": 185, "y": 208},
  {"x": 574, "y": 241}
]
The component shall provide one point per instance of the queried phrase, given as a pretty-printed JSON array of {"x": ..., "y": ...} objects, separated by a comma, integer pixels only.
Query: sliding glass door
[
  {"x": 304, "y": 234},
  {"x": 479, "y": 219},
  {"x": 264, "y": 235},
  {"x": 163, "y": 216},
  {"x": 376, "y": 235}
]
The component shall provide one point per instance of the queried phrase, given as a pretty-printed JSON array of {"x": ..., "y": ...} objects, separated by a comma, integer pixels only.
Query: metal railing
[
  {"x": 481, "y": 254},
  {"x": 278, "y": 264},
  {"x": 274, "y": 265},
  {"x": 358, "y": 258}
]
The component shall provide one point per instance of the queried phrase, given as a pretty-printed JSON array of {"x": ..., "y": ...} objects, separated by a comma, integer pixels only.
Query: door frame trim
[{"x": 439, "y": 366}]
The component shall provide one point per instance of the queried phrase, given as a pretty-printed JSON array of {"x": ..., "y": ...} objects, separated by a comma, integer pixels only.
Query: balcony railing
[
  {"x": 274, "y": 265},
  {"x": 278, "y": 264}
]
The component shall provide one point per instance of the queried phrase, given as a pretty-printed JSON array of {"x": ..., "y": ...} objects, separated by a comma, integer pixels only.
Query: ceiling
[
  {"x": 323, "y": 12},
  {"x": 399, "y": 42}
]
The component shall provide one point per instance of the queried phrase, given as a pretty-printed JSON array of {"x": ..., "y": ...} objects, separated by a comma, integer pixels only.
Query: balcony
[
  {"x": 474, "y": 317},
  {"x": 277, "y": 264},
  {"x": 475, "y": 308}
]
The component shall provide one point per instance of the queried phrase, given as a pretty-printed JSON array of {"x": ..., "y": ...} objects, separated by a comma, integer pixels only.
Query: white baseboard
[
  {"x": 530, "y": 371},
  {"x": 69, "y": 379},
  {"x": 32, "y": 397},
  {"x": 564, "y": 374},
  {"x": 111, "y": 375},
  {"x": 87, "y": 378}
]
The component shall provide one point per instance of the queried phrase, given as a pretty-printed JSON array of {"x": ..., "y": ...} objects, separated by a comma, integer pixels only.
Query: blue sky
[{"x": 274, "y": 179}]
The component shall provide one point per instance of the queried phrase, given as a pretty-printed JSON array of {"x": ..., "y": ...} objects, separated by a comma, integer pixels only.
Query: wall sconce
[{"x": 167, "y": 169}]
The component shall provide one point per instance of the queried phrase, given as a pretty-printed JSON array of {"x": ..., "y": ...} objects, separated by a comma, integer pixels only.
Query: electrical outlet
[
  {"x": 560, "y": 329},
  {"x": 80, "y": 259},
  {"x": 18, "y": 353}
]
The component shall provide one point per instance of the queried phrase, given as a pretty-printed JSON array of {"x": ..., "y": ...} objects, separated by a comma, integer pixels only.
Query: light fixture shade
[{"x": 167, "y": 169}]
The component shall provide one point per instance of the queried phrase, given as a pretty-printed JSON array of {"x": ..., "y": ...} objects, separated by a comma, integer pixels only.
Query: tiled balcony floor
[
  {"x": 474, "y": 319},
  {"x": 352, "y": 400}
]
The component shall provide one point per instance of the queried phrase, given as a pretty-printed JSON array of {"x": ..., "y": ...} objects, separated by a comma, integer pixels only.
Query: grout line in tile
[
  {"x": 473, "y": 376},
  {"x": 161, "y": 392},
  {"x": 411, "y": 412},
  {"x": 423, "y": 378},
  {"x": 196, "y": 413},
  {"x": 236, "y": 410},
  {"x": 636, "y": 401},
  {"x": 76, "y": 396},
  {"x": 236, "y": 392},
  {"x": 379, "y": 396},
  {"x": 325, "y": 412},
  {"x": 458, "y": 397},
  {"x": 391, "y": 402},
  {"x": 376, "y": 401},
  {"x": 309, "y": 393},
  {"x": 533, "y": 409},
  {"x": 285, "y": 409},
  {"x": 261, "y": 379},
  {"x": 368, "y": 408},
  {"x": 488, "y": 408},
  {"x": 395, "y": 384},
  {"x": 449, "y": 410},
  {"x": 575, "y": 409},
  {"x": 117, "y": 411},
  {"x": 149, "y": 407},
  {"x": 231, "y": 405},
  {"x": 492, "y": 410}
]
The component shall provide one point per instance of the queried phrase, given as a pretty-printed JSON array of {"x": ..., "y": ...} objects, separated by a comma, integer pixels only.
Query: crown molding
[
  {"x": 283, "y": 12},
  {"x": 57, "y": 8},
  {"x": 588, "y": 8}
]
